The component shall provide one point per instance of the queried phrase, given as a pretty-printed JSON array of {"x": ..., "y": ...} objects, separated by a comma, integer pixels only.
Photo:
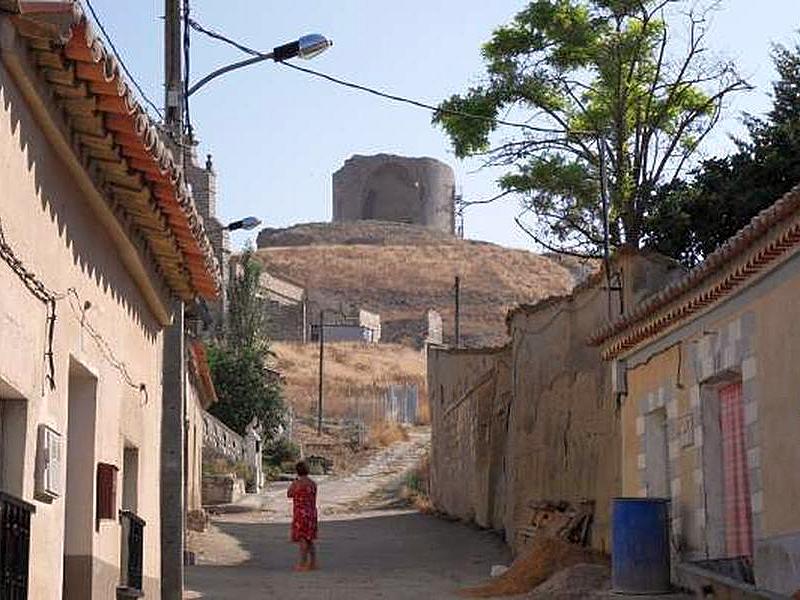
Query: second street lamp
[{"x": 247, "y": 224}]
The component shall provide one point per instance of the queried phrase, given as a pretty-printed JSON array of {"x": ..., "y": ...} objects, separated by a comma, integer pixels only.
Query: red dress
[{"x": 303, "y": 493}]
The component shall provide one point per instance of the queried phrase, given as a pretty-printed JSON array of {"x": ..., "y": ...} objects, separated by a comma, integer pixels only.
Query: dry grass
[
  {"x": 416, "y": 489},
  {"x": 385, "y": 434},
  {"x": 402, "y": 281},
  {"x": 353, "y": 373}
]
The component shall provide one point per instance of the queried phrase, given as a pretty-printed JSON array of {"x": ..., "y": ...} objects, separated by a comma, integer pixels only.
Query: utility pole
[
  {"x": 173, "y": 392},
  {"x": 458, "y": 311},
  {"x": 321, "y": 358},
  {"x": 601, "y": 147},
  {"x": 173, "y": 69}
]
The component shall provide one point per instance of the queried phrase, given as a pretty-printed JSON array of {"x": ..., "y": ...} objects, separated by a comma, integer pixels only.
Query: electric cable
[
  {"x": 369, "y": 90},
  {"x": 50, "y": 298},
  {"x": 187, "y": 41},
  {"x": 121, "y": 62}
]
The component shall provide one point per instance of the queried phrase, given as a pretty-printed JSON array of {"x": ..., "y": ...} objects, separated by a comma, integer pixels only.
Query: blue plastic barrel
[{"x": 640, "y": 549}]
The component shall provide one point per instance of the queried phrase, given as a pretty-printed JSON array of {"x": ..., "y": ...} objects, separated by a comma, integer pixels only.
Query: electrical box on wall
[{"x": 49, "y": 453}]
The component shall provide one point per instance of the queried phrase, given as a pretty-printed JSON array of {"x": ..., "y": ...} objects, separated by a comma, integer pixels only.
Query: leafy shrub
[{"x": 280, "y": 451}]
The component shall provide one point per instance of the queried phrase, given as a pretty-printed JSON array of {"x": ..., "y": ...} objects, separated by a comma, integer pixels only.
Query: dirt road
[{"x": 366, "y": 551}]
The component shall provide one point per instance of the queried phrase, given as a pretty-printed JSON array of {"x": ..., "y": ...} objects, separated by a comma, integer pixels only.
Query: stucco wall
[
  {"x": 470, "y": 396},
  {"x": 194, "y": 444},
  {"x": 103, "y": 331},
  {"x": 562, "y": 421},
  {"x": 752, "y": 338},
  {"x": 540, "y": 422}
]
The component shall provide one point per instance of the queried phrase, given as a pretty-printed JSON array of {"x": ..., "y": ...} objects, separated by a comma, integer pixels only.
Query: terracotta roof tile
[
  {"x": 728, "y": 268},
  {"x": 120, "y": 146}
]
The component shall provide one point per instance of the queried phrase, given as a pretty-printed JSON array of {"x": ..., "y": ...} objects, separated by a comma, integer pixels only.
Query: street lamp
[
  {"x": 247, "y": 224},
  {"x": 306, "y": 47}
]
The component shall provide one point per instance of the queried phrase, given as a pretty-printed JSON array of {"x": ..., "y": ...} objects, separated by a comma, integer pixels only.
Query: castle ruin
[{"x": 386, "y": 187}]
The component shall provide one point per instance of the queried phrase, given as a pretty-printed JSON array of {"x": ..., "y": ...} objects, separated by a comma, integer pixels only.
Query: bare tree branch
[{"x": 550, "y": 247}]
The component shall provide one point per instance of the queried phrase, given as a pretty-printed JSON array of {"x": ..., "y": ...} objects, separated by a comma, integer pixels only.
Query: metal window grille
[
  {"x": 15, "y": 537},
  {"x": 132, "y": 551}
]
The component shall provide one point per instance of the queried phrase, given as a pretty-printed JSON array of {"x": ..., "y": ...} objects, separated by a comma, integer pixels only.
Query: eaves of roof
[
  {"x": 757, "y": 248},
  {"x": 119, "y": 146},
  {"x": 200, "y": 370}
]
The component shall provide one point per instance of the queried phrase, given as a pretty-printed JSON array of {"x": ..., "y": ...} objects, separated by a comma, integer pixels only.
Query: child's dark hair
[{"x": 301, "y": 468}]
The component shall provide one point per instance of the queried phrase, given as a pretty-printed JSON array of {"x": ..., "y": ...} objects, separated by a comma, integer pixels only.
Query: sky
[{"x": 277, "y": 135}]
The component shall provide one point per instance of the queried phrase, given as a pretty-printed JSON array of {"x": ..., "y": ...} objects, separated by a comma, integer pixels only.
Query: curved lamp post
[{"x": 306, "y": 47}]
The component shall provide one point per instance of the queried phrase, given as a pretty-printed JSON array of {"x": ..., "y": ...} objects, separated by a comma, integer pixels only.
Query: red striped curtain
[{"x": 738, "y": 520}]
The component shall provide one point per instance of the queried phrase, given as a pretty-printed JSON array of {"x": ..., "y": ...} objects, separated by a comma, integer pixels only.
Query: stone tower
[{"x": 385, "y": 187}]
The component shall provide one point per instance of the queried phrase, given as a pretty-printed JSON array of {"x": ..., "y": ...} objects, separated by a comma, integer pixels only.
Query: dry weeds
[
  {"x": 353, "y": 374},
  {"x": 403, "y": 281},
  {"x": 385, "y": 434}
]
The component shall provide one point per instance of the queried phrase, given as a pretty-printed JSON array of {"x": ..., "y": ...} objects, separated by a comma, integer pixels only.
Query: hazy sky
[{"x": 277, "y": 135}]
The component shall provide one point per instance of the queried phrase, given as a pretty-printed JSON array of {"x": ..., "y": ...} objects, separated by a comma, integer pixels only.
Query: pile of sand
[
  {"x": 574, "y": 583},
  {"x": 538, "y": 563}
]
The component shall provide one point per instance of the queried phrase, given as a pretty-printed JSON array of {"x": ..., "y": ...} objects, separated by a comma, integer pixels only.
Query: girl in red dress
[{"x": 303, "y": 492}]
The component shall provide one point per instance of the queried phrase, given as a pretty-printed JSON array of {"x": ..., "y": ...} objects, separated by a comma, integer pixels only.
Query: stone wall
[
  {"x": 222, "y": 489},
  {"x": 395, "y": 188},
  {"x": 203, "y": 181},
  {"x": 287, "y": 308},
  {"x": 435, "y": 328},
  {"x": 536, "y": 420},
  {"x": 286, "y": 322},
  {"x": 220, "y": 441}
]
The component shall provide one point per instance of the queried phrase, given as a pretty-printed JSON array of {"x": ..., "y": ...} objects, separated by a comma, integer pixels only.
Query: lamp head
[
  {"x": 313, "y": 45},
  {"x": 247, "y": 223},
  {"x": 306, "y": 47}
]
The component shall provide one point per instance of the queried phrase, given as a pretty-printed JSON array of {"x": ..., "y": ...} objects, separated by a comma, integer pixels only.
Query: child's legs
[
  {"x": 304, "y": 549},
  {"x": 312, "y": 552}
]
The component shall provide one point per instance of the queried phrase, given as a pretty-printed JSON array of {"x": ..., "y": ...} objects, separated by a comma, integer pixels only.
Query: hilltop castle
[{"x": 385, "y": 187}]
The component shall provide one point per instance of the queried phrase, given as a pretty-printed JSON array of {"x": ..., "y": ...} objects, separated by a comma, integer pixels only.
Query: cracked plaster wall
[{"x": 537, "y": 420}]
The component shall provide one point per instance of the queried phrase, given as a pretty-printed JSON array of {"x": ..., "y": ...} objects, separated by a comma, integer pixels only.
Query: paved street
[
  {"x": 364, "y": 553},
  {"x": 392, "y": 555}
]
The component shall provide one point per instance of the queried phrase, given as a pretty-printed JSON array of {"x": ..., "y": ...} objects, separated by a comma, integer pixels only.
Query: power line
[
  {"x": 218, "y": 36},
  {"x": 50, "y": 298},
  {"x": 40, "y": 291},
  {"x": 187, "y": 41},
  {"x": 417, "y": 103},
  {"x": 369, "y": 90},
  {"x": 121, "y": 62}
]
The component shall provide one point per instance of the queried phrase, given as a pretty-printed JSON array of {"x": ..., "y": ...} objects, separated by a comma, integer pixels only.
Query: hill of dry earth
[
  {"x": 401, "y": 271},
  {"x": 353, "y": 372}
]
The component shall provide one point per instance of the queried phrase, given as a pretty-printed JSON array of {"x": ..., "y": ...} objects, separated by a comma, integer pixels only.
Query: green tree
[
  {"x": 585, "y": 75},
  {"x": 238, "y": 360},
  {"x": 733, "y": 189}
]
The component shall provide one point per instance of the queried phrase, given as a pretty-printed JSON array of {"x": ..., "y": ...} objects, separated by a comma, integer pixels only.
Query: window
[
  {"x": 106, "y": 491},
  {"x": 130, "y": 479}
]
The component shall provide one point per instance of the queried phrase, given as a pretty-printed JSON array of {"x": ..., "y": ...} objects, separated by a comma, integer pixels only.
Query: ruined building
[
  {"x": 287, "y": 307},
  {"x": 385, "y": 187}
]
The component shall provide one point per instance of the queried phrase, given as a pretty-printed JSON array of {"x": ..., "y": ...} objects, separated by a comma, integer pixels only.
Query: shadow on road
[{"x": 394, "y": 555}]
